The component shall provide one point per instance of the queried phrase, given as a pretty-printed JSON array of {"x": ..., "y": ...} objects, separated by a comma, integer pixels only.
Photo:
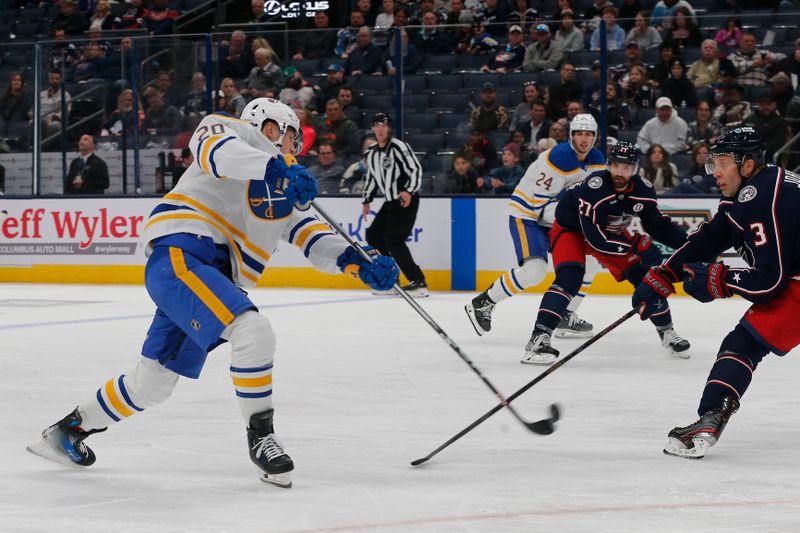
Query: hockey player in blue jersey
[
  {"x": 530, "y": 215},
  {"x": 212, "y": 234},
  {"x": 758, "y": 218},
  {"x": 593, "y": 219}
]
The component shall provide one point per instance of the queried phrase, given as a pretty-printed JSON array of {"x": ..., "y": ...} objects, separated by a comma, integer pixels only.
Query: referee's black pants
[{"x": 389, "y": 231}]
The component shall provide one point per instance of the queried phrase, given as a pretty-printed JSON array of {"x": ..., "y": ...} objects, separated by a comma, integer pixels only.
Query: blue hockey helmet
[{"x": 741, "y": 144}]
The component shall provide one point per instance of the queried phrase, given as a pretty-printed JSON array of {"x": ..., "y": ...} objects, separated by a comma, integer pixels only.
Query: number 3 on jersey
[
  {"x": 544, "y": 181},
  {"x": 761, "y": 236}
]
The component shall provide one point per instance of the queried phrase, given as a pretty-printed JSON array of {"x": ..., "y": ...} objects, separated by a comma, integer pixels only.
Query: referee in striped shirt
[{"x": 394, "y": 171}]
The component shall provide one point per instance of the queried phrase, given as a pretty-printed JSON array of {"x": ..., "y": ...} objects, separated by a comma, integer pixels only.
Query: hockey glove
[
  {"x": 706, "y": 281},
  {"x": 298, "y": 185},
  {"x": 380, "y": 274},
  {"x": 643, "y": 251},
  {"x": 651, "y": 294}
]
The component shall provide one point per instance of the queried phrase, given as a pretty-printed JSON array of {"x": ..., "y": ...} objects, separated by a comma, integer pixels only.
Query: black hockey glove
[{"x": 706, "y": 281}]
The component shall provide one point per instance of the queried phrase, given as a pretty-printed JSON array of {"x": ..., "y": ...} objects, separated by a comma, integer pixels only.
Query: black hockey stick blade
[{"x": 546, "y": 426}]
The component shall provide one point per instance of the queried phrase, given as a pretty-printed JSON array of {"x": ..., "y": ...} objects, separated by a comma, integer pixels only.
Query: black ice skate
[
  {"x": 479, "y": 311},
  {"x": 692, "y": 441},
  {"x": 266, "y": 452},
  {"x": 63, "y": 442},
  {"x": 417, "y": 289},
  {"x": 538, "y": 350},
  {"x": 676, "y": 345},
  {"x": 573, "y": 326}
]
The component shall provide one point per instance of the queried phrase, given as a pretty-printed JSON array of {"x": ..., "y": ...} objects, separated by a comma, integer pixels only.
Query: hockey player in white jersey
[
  {"x": 211, "y": 235},
  {"x": 531, "y": 212}
]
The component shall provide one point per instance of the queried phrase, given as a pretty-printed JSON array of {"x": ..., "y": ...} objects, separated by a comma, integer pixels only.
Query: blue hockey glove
[
  {"x": 651, "y": 294},
  {"x": 706, "y": 281},
  {"x": 381, "y": 274},
  {"x": 298, "y": 185}
]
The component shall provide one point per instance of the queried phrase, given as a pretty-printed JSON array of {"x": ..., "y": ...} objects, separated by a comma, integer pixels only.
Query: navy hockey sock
[{"x": 558, "y": 296}]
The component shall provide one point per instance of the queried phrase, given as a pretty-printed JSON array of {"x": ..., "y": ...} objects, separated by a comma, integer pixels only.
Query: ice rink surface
[{"x": 362, "y": 387}]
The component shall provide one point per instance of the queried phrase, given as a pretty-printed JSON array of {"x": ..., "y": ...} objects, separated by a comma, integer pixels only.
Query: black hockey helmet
[
  {"x": 625, "y": 152},
  {"x": 741, "y": 144},
  {"x": 381, "y": 118}
]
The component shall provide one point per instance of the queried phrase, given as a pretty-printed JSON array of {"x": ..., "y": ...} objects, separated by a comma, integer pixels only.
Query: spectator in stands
[
  {"x": 88, "y": 174},
  {"x": 297, "y": 88},
  {"x": 558, "y": 132},
  {"x": 328, "y": 171},
  {"x": 543, "y": 54},
  {"x": 684, "y": 32},
  {"x": 752, "y": 64},
  {"x": 644, "y": 34},
  {"x": 661, "y": 70},
  {"x": 347, "y": 100},
  {"x": 573, "y": 108},
  {"x": 69, "y": 19},
  {"x": 633, "y": 57},
  {"x": 121, "y": 121},
  {"x": 666, "y": 129},
  {"x": 364, "y": 59},
  {"x": 385, "y": 18},
  {"x": 329, "y": 88},
  {"x": 615, "y": 35},
  {"x": 132, "y": 18},
  {"x": 461, "y": 33},
  {"x": 400, "y": 17},
  {"x": 696, "y": 180},
  {"x": 164, "y": 84},
  {"x": 309, "y": 135},
  {"x": 50, "y": 104},
  {"x": 780, "y": 88},
  {"x": 705, "y": 71},
  {"x": 92, "y": 63},
  {"x": 523, "y": 15},
  {"x": 526, "y": 155},
  {"x": 194, "y": 106},
  {"x": 538, "y": 127},
  {"x": 338, "y": 130},
  {"x": 460, "y": 179},
  {"x": 231, "y": 101},
  {"x": 592, "y": 15},
  {"x": 567, "y": 36},
  {"x": 258, "y": 11},
  {"x": 703, "y": 129},
  {"x": 235, "y": 59},
  {"x": 627, "y": 14},
  {"x": 482, "y": 154},
  {"x": 731, "y": 35},
  {"x": 411, "y": 57},
  {"x": 64, "y": 54},
  {"x": 15, "y": 105},
  {"x": 638, "y": 93},
  {"x": 503, "y": 179},
  {"x": 102, "y": 20},
  {"x": 495, "y": 15},
  {"x": 347, "y": 38},
  {"x": 489, "y": 115},
  {"x": 159, "y": 19},
  {"x": 734, "y": 108},
  {"x": 160, "y": 119},
  {"x": 319, "y": 42},
  {"x": 565, "y": 90},
  {"x": 727, "y": 76},
  {"x": 353, "y": 177},
  {"x": 592, "y": 92},
  {"x": 677, "y": 87},
  {"x": 365, "y": 6},
  {"x": 430, "y": 38},
  {"x": 522, "y": 113},
  {"x": 663, "y": 11},
  {"x": 508, "y": 58},
  {"x": 480, "y": 40},
  {"x": 561, "y": 6},
  {"x": 265, "y": 76},
  {"x": 658, "y": 169},
  {"x": 261, "y": 42},
  {"x": 418, "y": 11},
  {"x": 617, "y": 111},
  {"x": 772, "y": 127},
  {"x": 791, "y": 63}
]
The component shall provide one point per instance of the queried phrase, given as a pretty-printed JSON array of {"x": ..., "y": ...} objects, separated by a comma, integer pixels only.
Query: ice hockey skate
[
  {"x": 676, "y": 345},
  {"x": 538, "y": 350},
  {"x": 63, "y": 442},
  {"x": 266, "y": 452},
  {"x": 573, "y": 326},
  {"x": 479, "y": 311},
  {"x": 692, "y": 441},
  {"x": 417, "y": 289}
]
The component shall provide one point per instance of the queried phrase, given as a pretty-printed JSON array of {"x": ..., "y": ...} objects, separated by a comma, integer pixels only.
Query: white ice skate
[
  {"x": 676, "y": 345},
  {"x": 538, "y": 350}
]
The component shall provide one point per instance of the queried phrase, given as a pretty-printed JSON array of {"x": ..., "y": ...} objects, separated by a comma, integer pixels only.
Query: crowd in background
[{"x": 673, "y": 83}]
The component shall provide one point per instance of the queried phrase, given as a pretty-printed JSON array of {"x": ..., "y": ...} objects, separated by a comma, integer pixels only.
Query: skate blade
[
  {"x": 679, "y": 355},
  {"x": 471, "y": 314},
  {"x": 678, "y": 449},
  {"x": 571, "y": 334},
  {"x": 390, "y": 292},
  {"x": 44, "y": 450},
  {"x": 540, "y": 362},
  {"x": 419, "y": 293},
  {"x": 283, "y": 481}
]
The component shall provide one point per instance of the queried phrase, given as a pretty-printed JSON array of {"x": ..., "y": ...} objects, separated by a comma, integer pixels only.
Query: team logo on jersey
[
  {"x": 195, "y": 324},
  {"x": 637, "y": 207},
  {"x": 595, "y": 182},
  {"x": 747, "y": 194},
  {"x": 387, "y": 162},
  {"x": 272, "y": 206}
]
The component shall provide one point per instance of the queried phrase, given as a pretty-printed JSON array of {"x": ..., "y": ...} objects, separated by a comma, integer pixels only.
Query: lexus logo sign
[{"x": 291, "y": 10}]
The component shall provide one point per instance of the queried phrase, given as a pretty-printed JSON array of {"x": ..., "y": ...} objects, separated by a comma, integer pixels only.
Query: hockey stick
[
  {"x": 530, "y": 384},
  {"x": 540, "y": 427}
]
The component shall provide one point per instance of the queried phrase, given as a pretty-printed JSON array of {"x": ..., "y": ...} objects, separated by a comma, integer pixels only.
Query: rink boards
[{"x": 462, "y": 243}]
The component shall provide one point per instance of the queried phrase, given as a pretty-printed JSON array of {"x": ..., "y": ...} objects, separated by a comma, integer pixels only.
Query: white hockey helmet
[
  {"x": 582, "y": 122},
  {"x": 262, "y": 109}
]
